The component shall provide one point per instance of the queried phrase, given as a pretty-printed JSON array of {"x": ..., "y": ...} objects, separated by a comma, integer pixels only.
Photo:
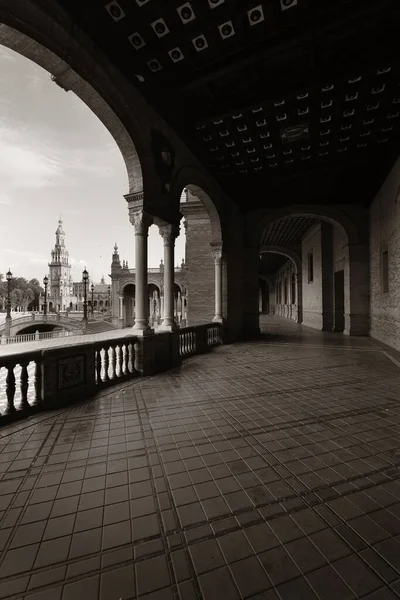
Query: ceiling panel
[{"x": 288, "y": 232}]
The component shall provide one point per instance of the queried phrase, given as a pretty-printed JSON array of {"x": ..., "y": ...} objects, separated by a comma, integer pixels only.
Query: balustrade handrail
[
  {"x": 50, "y": 377},
  {"x": 108, "y": 342}
]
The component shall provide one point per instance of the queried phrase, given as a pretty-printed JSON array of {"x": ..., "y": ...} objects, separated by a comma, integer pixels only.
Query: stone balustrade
[
  {"x": 53, "y": 377},
  {"x": 196, "y": 340}
]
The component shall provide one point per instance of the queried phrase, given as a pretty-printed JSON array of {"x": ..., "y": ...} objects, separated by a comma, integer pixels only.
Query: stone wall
[
  {"x": 200, "y": 264},
  {"x": 312, "y": 292},
  {"x": 385, "y": 236}
]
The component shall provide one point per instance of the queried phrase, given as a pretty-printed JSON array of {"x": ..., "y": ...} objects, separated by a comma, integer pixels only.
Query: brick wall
[
  {"x": 312, "y": 292},
  {"x": 200, "y": 263},
  {"x": 385, "y": 235}
]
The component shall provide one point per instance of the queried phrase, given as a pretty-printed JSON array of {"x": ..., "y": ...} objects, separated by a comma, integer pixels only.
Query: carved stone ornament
[
  {"x": 141, "y": 221},
  {"x": 216, "y": 250},
  {"x": 135, "y": 198},
  {"x": 71, "y": 372},
  {"x": 169, "y": 233}
]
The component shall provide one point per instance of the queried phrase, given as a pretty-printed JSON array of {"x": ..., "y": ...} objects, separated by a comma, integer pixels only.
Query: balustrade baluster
[
  {"x": 10, "y": 389},
  {"x": 98, "y": 365},
  {"x": 131, "y": 358},
  {"x": 106, "y": 363},
  {"x": 113, "y": 362},
  {"x": 24, "y": 383},
  {"x": 121, "y": 360},
  {"x": 124, "y": 359},
  {"x": 38, "y": 384}
]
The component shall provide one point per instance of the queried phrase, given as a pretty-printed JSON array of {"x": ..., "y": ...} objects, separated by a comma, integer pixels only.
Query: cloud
[
  {"x": 25, "y": 164},
  {"x": 5, "y": 199},
  {"x": 27, "y": 255}
]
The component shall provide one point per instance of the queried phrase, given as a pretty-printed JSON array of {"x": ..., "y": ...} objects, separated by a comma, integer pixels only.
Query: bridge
[{"x": 40, "y": 322}]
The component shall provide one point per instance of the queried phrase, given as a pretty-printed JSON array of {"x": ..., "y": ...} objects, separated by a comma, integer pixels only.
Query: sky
[{"x": 56, "y": 157}]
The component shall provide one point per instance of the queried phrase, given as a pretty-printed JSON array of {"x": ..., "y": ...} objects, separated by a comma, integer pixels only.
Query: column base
[
  {"x": 168, "y": 326},
  {"x": 218, "y": 319},
  {"x": 143, "y": 330}
]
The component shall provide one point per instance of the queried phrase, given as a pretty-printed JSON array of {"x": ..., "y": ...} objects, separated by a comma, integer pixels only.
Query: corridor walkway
[{"x": 267, "y": 470}]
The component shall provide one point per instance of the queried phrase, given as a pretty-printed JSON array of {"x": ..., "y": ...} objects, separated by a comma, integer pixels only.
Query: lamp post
[
  {"x": 45, "y": 283},
  {"x": 92, "y": 290},
  {"x": 109, "y": 299},
  {"x": 85, "y": 278},
  {"x": 7, "y": 328}
]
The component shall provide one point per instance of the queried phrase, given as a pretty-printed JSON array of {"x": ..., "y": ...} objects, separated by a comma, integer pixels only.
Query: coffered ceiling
[{"x": 282, "y": 100}]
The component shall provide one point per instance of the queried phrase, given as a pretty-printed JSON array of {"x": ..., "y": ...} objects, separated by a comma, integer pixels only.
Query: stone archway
[
  {"x": 350, "y": 242},
  {"x": 127, "y": 310},
  {"x": 206, "y": 269},
  {"x": 295, "y": 311}
]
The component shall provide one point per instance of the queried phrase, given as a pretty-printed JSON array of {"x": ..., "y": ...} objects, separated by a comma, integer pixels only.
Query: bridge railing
[
  {"x": 35, "y": 337},
  {"x": 60, "y": 375}
]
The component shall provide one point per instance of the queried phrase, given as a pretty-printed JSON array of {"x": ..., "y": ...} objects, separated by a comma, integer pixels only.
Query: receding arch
[
  {"x": 296, "y": 261},
  {"x": 156, "y": 284},
  {"x": 57, "y": 64},
  {"x": 290, "y": 254},
  {"x": 199, "y": 184},
  {"x": 324, "y": 213}
]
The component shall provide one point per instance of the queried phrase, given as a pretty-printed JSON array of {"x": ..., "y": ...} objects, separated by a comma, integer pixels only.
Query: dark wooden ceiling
[
  {"x": 288, "y": 232},
  {"x": 271, "y": 262},
  {"x": 284, "y": 101}
]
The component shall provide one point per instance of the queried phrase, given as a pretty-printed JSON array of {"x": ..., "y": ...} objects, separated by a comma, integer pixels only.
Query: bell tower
[{"x": 61, "y": 286}]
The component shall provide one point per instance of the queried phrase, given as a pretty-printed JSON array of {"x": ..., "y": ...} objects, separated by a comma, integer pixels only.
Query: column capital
[
  {"x": 141, "y": 221},
  {"x": 216, "y": 250},
  {"x": 169, "y": 233}
]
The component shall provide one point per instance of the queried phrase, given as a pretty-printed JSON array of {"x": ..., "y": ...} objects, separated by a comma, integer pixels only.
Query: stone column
[
  {"x": 141, "y": 222},
  {"x": 169, "y": 233},
  {"x": 120, "y": 307},
  {"x": 217, "y": 254}
]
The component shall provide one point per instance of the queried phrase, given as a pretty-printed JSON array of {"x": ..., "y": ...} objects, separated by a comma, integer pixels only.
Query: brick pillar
[
  {"x": 327, "y": 276},
  {"x": 200, "y": 264},
  {"x": 356, "y": 289}
]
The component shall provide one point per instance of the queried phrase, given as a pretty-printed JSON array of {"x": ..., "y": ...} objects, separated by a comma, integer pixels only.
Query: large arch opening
[
  {"x": 69, "y": 79},
  {"x": 127, "y": 305},
  {"x": 333, "y": 282},
  {"x": 68, "y": 71},
  {"x": 196, "y": 303}
]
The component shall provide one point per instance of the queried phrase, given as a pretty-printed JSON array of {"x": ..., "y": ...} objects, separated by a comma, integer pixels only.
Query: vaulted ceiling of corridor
[
  {"x": 278, "y": 98},
  {"x": 287, "y": 233}
]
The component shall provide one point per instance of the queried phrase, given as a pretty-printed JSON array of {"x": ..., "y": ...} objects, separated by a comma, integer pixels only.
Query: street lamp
[
  {"x": 85, "y": 278},
  {"x": 45, "y": 283},
  {"x": 8, "y": 307},
  {"x": 92, "y": 290},
  {"x": 109, "y": 299}
]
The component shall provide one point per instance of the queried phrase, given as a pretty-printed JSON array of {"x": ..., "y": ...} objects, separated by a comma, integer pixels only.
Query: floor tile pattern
[{"x": 266, "y": 470}]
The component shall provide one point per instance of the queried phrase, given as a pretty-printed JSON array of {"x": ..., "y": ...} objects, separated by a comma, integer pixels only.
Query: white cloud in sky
[{"x": 5, "y": 199}]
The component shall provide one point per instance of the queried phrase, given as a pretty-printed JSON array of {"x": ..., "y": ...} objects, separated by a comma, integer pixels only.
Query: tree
[{"x": 27, "y": 297}]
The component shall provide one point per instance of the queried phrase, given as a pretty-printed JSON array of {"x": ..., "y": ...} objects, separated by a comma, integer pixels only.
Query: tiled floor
[{"x": 267, "y": 470}]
